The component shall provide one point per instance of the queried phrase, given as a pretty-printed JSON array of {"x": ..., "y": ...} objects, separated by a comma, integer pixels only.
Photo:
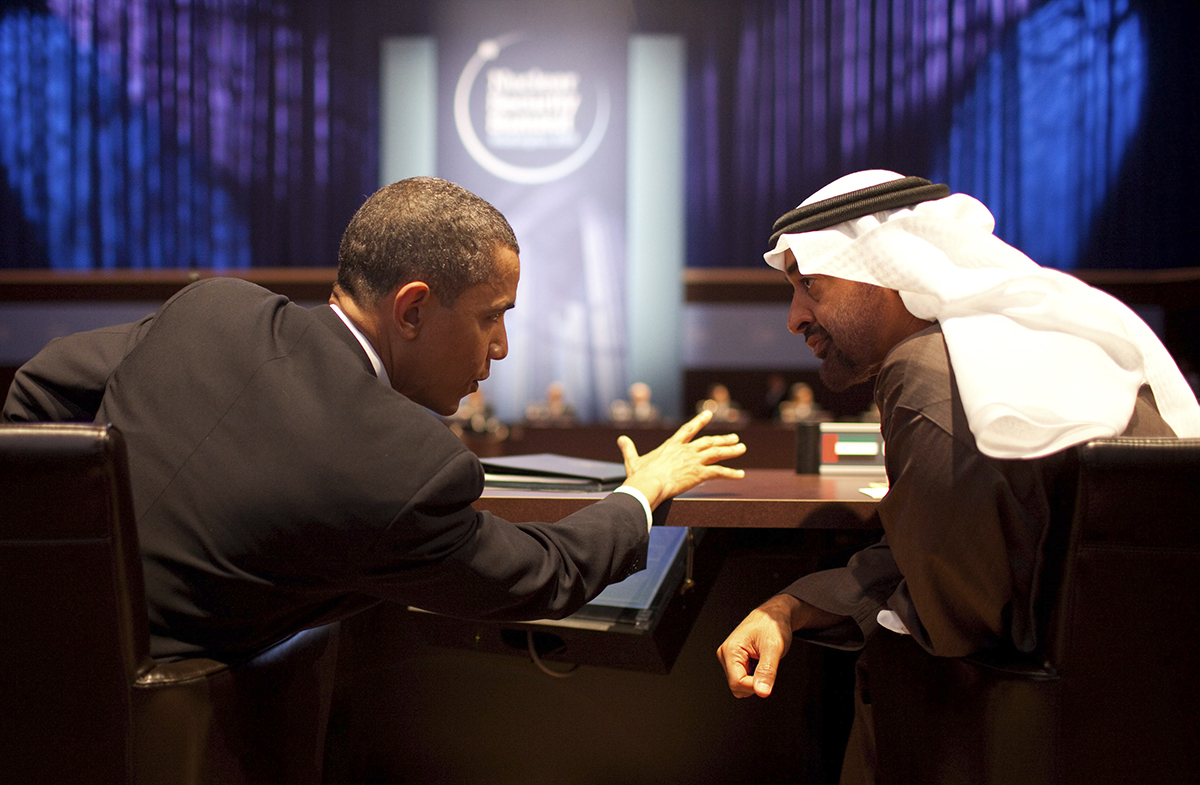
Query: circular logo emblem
[{"x": 526, "y": 109}]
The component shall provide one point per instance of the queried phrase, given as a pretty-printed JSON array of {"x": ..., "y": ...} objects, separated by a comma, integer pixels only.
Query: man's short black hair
[{"x": 421, "y": 229}]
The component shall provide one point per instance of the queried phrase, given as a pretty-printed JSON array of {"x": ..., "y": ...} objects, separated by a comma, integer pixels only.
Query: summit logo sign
[
  {"x": 530, "y": 116},
  {"x": 533, "y": 109}
]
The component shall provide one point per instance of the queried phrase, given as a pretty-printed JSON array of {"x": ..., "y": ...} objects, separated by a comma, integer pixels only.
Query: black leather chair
[
  {"x": 1114, "y": 694},
  {"x": 80, "y": 699}
]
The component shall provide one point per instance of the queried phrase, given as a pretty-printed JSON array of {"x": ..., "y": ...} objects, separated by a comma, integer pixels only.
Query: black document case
[{"x": 550, "y": 472}]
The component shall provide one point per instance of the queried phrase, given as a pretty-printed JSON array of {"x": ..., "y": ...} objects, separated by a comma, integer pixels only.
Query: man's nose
[
  {"x": 499, "y": 347},
  {"x": 800, "y": 316}
]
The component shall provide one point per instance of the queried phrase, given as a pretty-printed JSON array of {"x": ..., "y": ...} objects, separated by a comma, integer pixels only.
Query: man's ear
[{"x": 409, "y": 307}]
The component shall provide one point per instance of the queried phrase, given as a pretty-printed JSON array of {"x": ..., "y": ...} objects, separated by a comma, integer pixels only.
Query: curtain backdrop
[
  {"x": 1061, "y": 115},
  {"x": 228, "y": 133},
  {"x": 151, "y": 133}
]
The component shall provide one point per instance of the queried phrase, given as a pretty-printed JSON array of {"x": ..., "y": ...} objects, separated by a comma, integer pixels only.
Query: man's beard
[
  {"x": 839, "y": 371},
  {"x": 848, "y": 356}
]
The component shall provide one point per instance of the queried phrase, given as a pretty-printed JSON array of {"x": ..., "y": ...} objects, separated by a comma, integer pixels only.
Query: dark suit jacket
[{"x": 279, "y": 484}]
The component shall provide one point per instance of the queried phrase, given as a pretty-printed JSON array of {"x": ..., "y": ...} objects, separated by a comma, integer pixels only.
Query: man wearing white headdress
[{"x": 989, "y": 368}]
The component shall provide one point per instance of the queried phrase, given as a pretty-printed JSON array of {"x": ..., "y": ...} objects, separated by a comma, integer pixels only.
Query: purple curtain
[
  {"x": 149, "y": 134},
  {"x": 1058, "y": 114},
  {"x": 229, "y": 133}
]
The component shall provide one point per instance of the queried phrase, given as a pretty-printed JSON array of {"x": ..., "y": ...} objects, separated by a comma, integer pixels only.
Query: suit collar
[{"x": 333, "y": 322}]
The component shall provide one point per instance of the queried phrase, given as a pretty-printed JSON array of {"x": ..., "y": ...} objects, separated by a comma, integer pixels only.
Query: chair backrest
[
  {"x": 1111, "y": 696},
  {"x": 1125, "y": 637},
  {"x": 72, "y": 613},
  {"x": 80, "y": 698}
]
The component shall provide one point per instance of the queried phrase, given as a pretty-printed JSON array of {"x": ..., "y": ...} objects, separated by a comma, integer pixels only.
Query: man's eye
[{"x": 806, "y": 283}]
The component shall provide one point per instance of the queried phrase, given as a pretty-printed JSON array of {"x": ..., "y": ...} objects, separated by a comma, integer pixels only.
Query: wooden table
[{"x": 765, "y": 498}]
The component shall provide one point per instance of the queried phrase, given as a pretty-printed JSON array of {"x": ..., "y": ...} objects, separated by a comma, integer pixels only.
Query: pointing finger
[{"x": 693, "y": 426}]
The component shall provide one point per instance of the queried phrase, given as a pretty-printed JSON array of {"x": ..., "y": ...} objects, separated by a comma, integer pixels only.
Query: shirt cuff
[
  {"x": 635, "y": 493},
  {"x": 891, "y": 620}
]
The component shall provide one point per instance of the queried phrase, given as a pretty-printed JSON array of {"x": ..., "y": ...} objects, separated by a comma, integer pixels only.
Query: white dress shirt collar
[{"x": 372, "y": 355}]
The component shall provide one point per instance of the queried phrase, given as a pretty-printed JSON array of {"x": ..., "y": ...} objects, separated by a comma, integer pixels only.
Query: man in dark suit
[{"x": 286, "y": 470}]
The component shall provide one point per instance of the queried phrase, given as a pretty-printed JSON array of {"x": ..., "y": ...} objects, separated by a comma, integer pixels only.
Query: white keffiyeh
[{"x": 1043, "y": 361}]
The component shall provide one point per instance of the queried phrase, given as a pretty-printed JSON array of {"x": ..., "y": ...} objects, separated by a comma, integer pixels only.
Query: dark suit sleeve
[
  {"x": 65, "y": 381},
  {"x": 442, "y": 555}
]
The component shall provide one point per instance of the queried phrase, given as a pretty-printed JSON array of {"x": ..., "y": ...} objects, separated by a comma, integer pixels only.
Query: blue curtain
[
  {"x": 1043, "y": 110},
  {"x": 228, "y": 133},
  {"x": 151, "y": 133}
]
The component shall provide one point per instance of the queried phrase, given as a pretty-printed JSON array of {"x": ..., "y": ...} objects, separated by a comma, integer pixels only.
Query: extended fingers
[
  {"x": 629, "y": 452},
  {"x": 717, "y": 447},
  {"x": 715, "y": 472},
  {"x": 716, "y": 440},
  {"x": 692, "y": 427},
  {"x": 714, "y": 449}
]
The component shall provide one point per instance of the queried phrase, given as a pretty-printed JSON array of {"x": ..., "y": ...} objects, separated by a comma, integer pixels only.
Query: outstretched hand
[{"x": 681, "y": 462}]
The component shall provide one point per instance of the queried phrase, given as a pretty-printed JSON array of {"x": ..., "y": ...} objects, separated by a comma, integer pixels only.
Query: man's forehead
[
  {"x": 489, "y": 296},
  {"x": 791, "y": 269},
  {"x": 790, "y": 266}
]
